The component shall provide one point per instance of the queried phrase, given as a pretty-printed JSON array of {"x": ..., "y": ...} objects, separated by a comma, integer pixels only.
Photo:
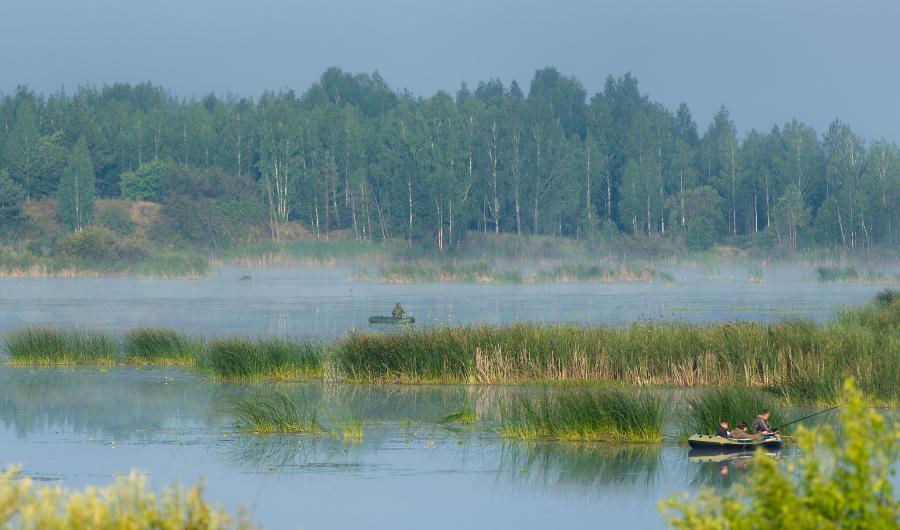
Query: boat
[
  {"x": 711, "y": 441},
  {"x": 391, "y": 320}
]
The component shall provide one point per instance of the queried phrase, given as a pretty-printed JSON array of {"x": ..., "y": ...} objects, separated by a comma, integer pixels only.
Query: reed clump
[
  {"x": 732, "y": 404},
  {"x": 160, "y": 346},
  {"x": 272, "y": 412},
  {"x": 585, "y": 415},
  {"x": 269, "y": 358},
  {"x": 52, "y": 346}
]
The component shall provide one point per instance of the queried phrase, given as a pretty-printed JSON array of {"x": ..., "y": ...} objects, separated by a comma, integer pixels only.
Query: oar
[{"x": 776, "y": 429}]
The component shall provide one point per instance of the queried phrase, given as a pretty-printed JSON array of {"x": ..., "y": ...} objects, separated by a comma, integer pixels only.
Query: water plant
[
  {"x": 585, "y": 415},
  {"x": 128, "y": 503},
  {"x": 272, "y": 412},
  {"x": 44, "y": 345},
  {"x": 463, "y": 416},
  {"x": 160, "y": 346},
  {"x": 270, "y": 358},
  {"x": 732, "y": 404},
  {"x": 755, "y": 274}
]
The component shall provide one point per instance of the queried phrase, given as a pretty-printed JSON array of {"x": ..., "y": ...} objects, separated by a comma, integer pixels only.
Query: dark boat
[
  {"x": 709, "y": 441},
  {"x": 391, "y": 320}
]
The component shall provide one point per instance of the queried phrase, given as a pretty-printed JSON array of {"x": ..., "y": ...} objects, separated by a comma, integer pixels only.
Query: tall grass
[
  {"x": 239, "y": 358},
  {"x": 272, "y": 412},
  {"x": 480, "y": 272},
  {"x": 55, "y": 346},
  {"x": 585, "y": 415},
  {"x": 160, "y": 346},
  {"x": 732, "y": 404}
]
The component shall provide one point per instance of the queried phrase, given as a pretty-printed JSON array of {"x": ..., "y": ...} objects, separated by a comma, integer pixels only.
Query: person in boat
[
  {"x": 761, "y": 423},
  {"x": 398, "y": 312},
  {"x": 740, "y": 432},
  {"x": 722, "y": 429}
]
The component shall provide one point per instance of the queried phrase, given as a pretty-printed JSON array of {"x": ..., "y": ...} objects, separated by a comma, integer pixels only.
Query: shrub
[
  {"x": 142, "y": 184},
  {"x": 129, "y": 503},
  {"x": 91, "y": 243},
  {"x": 116, "y": 218},
  {"x": 700, "y": 234}
]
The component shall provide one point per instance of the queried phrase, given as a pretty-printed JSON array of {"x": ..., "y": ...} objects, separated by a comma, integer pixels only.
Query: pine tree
[{"x": 76, "y": 194}]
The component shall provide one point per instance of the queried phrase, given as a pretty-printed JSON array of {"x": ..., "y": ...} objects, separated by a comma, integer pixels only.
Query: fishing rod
[{"x": 805, "y": 418}]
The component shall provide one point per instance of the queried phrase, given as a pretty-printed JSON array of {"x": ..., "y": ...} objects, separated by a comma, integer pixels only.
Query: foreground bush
[
  {"x": 127, "y": 504},
  {"x": 840, "y": 482}
]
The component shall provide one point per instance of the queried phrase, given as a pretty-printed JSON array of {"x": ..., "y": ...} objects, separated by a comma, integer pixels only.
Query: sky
[{"x": 767, "y": 61}]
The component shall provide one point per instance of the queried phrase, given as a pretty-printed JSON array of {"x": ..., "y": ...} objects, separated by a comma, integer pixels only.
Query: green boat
[
  {"x": 709, "y": 441},
  {"x": 391, "y": 320}
]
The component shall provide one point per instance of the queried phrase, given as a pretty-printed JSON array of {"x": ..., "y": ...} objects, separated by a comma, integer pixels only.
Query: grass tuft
[
  {"x": 160, "y": 346},
  {"x": 49, "y": 346},
  {"x": 238, "y": 358},
  {"x": 585, "y": 415},
  {"x": 272, "y": 412}
]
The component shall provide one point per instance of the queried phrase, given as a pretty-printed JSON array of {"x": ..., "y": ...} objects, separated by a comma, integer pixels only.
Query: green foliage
[
  {"x": 93, "y": 243},
  {"x": 237, "y": 358},
  {"x": 128, "y": 503},
  {"x": 585, "y": 415},
  {"x": 272, "y": 412},
  {"x": 142, "y": 184},
  {"x": 11, "y": 197},
  {"x": 116, "y": 217},
  {"x": 76, "y": 194},
  {"x": 841, "y": 481},
  {"x": 464, "y": 416},
  {"x": 700, "y": 235},
  {"x": 350, "y": 158},
  {"x": 733, "y": 404}
]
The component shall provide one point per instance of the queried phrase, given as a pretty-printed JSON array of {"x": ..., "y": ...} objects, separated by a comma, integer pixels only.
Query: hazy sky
[{"x": 767, "y": 61}]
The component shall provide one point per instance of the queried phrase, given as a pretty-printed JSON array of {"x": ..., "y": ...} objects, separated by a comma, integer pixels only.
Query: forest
[{"x": 353, "y": 158}]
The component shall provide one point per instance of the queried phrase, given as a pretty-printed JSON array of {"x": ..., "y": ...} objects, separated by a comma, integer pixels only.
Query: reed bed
[
  {"x": 864, "y": 344},
  {"x": 52, "y": 346},
  {"x": 483, "y": 273},
  {"x": 732, "y": 404},
  {"x": 585, "y": 415},
  {"x": 266, "y": 358},
  {"x": 272, "y": 412},
  {"x": 160, "y": 346},
  {"x": 833, "y": 274}
]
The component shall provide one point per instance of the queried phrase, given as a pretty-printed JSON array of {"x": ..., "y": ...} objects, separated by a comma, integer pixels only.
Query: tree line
[{"x": 354, "y": 155}]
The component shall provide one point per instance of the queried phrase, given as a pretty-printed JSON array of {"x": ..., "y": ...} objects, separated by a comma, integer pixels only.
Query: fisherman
[
  {"x": 740, "y": 432},
  {"x": 398, "y": 312},
  {"x": 722, "y": 429},
  {"x": 761, "y": 423}
]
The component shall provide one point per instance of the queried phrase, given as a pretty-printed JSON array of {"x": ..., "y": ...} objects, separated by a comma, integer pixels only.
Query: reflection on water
[
  {"x": 323, "y": 302},
  {"x": 86, "y": 426}
]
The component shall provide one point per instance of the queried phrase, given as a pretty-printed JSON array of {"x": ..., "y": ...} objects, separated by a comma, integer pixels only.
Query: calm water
[
  {"x": 324, "y": 302},
  {"x": 85, "y": 426}
]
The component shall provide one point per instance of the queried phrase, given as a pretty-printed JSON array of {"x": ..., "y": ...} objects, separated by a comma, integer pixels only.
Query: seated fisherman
[
  {"x": 761, "y": 423},
  {"x": 722, "y": 429},
  {"x": 398, "y": 311},
  {"x": 740, "y": 432}
]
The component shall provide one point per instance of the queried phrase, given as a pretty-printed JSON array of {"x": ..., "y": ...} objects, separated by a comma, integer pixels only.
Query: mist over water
[{"x": 323, "y": 303}]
